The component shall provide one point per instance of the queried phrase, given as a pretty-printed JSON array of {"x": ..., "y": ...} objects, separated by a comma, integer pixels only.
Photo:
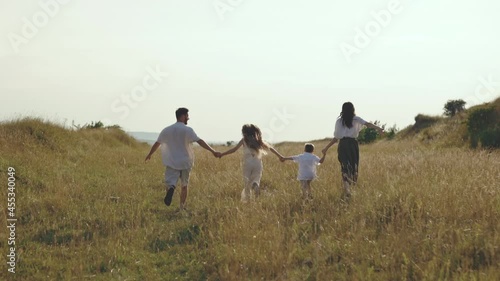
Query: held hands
[
  {"x": 332, "y": 142},
  {"x": 221, "y": 154},
  {"x": 217, "y": 154}
]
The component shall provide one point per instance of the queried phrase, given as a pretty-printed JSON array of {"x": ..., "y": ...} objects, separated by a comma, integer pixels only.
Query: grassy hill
[
  {"x": 89, "y": 208},
  {"x": 449, "y": 131}
]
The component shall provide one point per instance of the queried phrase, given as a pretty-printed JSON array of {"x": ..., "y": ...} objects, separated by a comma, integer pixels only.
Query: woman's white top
[{"x": 342, "y": 131}]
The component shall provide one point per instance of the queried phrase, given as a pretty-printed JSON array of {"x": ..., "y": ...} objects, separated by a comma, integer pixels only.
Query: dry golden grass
[{"x": 89, "y": 208}]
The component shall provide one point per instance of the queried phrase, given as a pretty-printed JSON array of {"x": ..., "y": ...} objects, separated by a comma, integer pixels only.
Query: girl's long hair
[
  {"x": 347, "y": 114},
  {"x": 252, "y": 136}
]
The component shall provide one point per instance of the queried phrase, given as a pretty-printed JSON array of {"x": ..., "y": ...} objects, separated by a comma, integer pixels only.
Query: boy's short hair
[{"x": 309, "y": 147}]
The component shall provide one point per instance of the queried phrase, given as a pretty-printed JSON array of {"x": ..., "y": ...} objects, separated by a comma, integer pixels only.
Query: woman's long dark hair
[
  {"x": 347, "y": 114},
  {"x": 252, "y": 136}
]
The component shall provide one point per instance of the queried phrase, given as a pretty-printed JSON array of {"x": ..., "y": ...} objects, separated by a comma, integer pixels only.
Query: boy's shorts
[{"x": 172, "y": 176}]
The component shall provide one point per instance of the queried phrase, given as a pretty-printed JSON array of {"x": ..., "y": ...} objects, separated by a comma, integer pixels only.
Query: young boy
[{"x": 307, "y": 168}]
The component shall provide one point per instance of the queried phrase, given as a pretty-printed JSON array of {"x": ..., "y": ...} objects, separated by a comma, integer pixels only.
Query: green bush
[
  {"x": 367, "y": 135},
  {"x": 483, "y": 127},
  {"x": 490, "y": 138},
  {"x": 481, "y": 119},
  {"x": 391, "y": 132},
  {"x": 453, "y": 107},
  {"x": 95, "y": 125}
]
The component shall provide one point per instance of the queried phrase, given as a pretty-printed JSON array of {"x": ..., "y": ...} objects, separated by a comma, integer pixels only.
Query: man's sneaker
[{"x": 168, "y": 197}]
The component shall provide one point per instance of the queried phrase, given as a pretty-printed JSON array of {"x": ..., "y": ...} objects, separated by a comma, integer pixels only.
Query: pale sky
[{"x": 286, "y": 66}]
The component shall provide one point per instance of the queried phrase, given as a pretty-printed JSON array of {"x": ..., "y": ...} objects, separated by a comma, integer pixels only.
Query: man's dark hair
[
  {"x": 309, "y": 147},
  {"x": 181, "y": 111}
]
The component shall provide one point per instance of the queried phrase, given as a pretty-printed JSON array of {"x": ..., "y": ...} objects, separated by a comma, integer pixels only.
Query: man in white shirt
[
  {"x": 177, "y": 154},
  {"x": 307, "y": 168}
]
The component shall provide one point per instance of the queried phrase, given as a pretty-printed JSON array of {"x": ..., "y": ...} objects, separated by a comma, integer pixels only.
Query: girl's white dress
[{"x": 252, "y": 171}]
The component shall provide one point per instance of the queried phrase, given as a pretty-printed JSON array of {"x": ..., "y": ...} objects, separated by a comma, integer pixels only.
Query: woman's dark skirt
[{"x": 348, "y": 155}]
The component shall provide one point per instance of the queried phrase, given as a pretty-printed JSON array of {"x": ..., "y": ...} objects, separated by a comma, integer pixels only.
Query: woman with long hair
[
  {"x": 253, "y": 150},
  {"x": 347, "y": 129}
]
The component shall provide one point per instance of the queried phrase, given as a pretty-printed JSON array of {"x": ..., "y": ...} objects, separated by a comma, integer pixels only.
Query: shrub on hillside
[
  {"x": 490, "y": 138},
  {"x": 424, "y": 121},
  {"x": 369, "y": 135},
  {"x": 453, "y": 107},
  {"x": 391, "y": 132},
  {"x": 483, "y": 127},
  {"x": 95, "y": 125}
]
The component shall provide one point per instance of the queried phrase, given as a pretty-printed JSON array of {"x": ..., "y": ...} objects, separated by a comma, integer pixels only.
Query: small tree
[
  {"x": 391, "y": 132},
  {"x": 95, "y": 125},
  {"x": 368, "y": 135},
  {"x": 453, "y": 107}
]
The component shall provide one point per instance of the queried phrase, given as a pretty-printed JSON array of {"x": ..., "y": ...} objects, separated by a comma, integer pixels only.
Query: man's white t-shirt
[
  {"x": 342, "y": 131},
  {"x": 176, "y": 148},
  {"x": 307, "y": 165}
]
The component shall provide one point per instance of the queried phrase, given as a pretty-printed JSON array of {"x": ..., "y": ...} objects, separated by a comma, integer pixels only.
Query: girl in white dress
[{"x": 253, "y": 150}]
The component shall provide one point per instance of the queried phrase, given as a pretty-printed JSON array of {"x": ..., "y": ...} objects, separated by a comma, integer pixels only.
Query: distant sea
[
  {"x": 144, "y": 136},
  {"x": 151, "y": 138}
]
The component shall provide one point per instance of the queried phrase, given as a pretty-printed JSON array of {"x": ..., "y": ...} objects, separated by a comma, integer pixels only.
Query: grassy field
[{"x": 89, "y": 208}]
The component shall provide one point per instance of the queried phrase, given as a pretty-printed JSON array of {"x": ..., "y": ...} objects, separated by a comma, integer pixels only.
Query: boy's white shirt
[{"x": 307, "y": 165}]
